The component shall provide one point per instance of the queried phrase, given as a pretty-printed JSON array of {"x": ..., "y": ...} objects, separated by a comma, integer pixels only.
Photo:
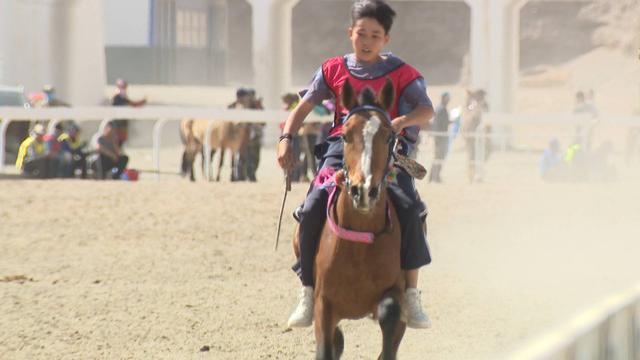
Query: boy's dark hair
[{"x": 374, "y": 9}]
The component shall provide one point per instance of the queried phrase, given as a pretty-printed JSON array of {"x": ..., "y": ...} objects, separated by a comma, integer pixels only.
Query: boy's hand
[
  {"x": 285, "y": 154},
  {"x": 396, "y": 125}
]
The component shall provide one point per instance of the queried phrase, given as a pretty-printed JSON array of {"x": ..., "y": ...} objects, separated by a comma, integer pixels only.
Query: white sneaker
[
  {"x": 302, "y": 316},
  {"x": 416, "y": 317}
]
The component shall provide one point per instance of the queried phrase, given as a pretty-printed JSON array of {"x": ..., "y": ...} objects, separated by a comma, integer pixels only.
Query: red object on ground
[{"x": 129, "y": 175}]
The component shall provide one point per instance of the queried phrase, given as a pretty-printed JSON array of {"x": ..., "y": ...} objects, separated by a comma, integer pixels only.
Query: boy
[{"x": 371, "y": 21}]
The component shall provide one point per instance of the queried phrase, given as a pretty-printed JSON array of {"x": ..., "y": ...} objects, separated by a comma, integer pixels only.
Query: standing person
[
  {"x": 440, "y": 125},
  {"x": 249, "y": 158},
  {"x": 111, "y": 160},
  {"x": 121, "y": 98},
  {"x": 367, "y": 66},
  {"x": 243, "y": 101},
  {"x": 582, "y": 106}
]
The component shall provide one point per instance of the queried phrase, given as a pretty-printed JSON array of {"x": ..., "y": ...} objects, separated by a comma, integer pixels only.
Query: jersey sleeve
[
  {"x": 318, "y": 90},
  {"x": 415, "y": 94}
]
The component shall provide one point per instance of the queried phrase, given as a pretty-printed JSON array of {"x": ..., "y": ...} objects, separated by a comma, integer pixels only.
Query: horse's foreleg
[
  {"x": 389, "y": 317},
  {"x": 329, "y": 339},
  {"x": 220, "y": 164},
  {"x": 213, "y": 152}
]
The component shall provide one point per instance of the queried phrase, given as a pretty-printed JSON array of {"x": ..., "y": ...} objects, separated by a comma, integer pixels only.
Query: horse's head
[{"x": 368, "y": 142}]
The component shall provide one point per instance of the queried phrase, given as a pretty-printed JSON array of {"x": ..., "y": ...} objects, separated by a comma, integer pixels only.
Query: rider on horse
[{"x": 365, "y": 67}]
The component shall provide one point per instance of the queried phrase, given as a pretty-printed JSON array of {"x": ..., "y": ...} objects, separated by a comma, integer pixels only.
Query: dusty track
[{"x": 116, "y": 270}]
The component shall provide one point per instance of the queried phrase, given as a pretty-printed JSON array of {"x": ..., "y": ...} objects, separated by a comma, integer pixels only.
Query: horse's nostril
[
  {"x": 373, "y": 193},
  {"x": 355, "y": 191}
]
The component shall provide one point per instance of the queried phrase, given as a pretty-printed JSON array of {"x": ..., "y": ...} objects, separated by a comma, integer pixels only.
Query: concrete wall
[
  {"x": 127, "y": 22},
  {"x": 58, "y": 42}
]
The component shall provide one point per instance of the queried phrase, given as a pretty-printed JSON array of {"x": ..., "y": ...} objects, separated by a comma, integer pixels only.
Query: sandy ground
[{"x": 160, "y": 269}]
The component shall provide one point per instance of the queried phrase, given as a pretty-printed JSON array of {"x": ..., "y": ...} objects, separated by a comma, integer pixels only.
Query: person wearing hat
[
  {"x": 440, "y": 126},
  {"x": 33, "y": 160},
  {"x": 71, "y": 148}
]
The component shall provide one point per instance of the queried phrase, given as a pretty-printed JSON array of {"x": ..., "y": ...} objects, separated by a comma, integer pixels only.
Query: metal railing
[{"x": 608, "y": 331}]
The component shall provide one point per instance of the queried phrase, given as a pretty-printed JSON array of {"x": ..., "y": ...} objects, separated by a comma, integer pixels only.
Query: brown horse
[
  {"x": 473, "y": 133},
  {"x": 224, "y": 135},
  {"x": 355, "y": 279}
]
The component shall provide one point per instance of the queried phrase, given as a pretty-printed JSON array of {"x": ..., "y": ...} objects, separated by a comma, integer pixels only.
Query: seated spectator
[
  {"x": 53, "y": 148},
  {"x": 551, "y": 164},
  {"x": 111, "y": 160},
  {"x": 73, "y": 156},
  {"x": 33, "y": 160}
]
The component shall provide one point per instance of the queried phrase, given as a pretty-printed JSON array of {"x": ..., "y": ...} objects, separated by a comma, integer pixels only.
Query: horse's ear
[
  {"x": 385, "y": 98},
  {"x": 348, "y": 96}
]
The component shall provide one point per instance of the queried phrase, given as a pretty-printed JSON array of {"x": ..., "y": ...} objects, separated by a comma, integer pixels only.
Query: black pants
[
  {"x": 410, "y": 209},
  {"x": 42, "y": 168},
  {"x": 441, "y": 145},
  {"x": 75, "y": 160},
  {"x": 113, "y": 168}
]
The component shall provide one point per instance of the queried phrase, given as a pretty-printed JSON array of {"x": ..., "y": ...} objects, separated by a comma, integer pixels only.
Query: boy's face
[{"x": 367, "y": 39}]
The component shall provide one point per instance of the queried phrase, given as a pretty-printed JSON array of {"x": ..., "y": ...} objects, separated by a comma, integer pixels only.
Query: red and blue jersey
[{"x": 336, "y": 72}]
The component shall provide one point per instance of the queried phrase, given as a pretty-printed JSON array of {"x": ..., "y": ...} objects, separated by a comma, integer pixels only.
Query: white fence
[
  {"x": 609, "y": 331},
  {"x": 161, "y": 115}
]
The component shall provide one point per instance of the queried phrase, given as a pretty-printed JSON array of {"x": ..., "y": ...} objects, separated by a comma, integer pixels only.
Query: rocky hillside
[{"x": 619, "y": 23}]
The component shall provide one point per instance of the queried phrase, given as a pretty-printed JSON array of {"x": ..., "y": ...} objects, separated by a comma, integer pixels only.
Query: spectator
[
  {"x": 52, "y": 148},
  {"x": 121, "y": 98},
  {"x": 551, "y": 164},
  {"x": 243, "y": 100},
  {"x": 73, "y": 156},
  {"x": 111, "y": 160},
  {"x": 585, "y": 132},
  {"x": 253, "y": 150},
  {"x": 33, "y": 160},
  {"x": 255, "y": 102},
  {"x": 440, "y": 126}
]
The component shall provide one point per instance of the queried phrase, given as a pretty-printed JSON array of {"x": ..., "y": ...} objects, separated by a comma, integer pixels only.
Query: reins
[{"x": 361, "y": 236}]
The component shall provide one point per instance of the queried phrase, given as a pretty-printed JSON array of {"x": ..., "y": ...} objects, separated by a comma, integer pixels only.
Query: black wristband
[{"x": 285, "y": 136}]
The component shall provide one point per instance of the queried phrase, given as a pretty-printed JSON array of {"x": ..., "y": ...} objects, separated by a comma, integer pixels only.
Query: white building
[{"x": 187, "y": 42}]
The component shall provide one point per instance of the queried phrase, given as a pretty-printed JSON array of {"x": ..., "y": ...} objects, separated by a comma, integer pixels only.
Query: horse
[
  {"x": 471, "y": 119},
  {"x": 224, "y": 135},
  {"x": 355, "y": 279}
]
